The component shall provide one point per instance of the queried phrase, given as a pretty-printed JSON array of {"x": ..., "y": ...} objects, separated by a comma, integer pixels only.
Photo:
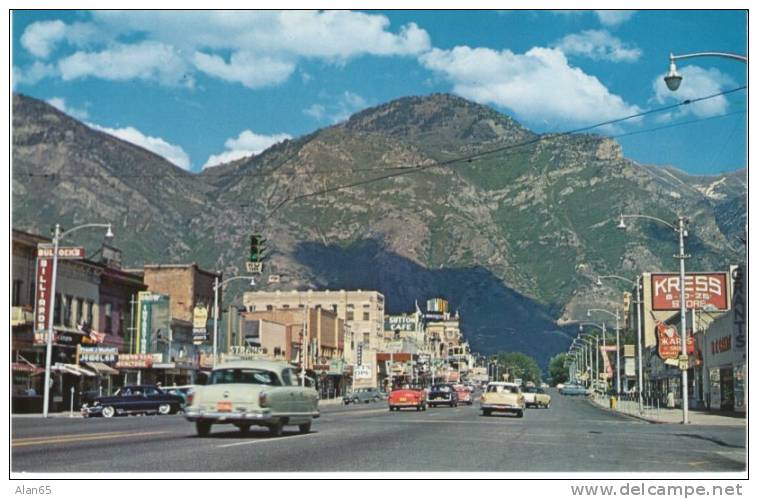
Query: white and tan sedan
[{"x": 249, "y": 393}]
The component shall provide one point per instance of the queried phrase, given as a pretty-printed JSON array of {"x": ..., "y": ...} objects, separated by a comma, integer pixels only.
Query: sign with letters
[
  {"x": 64, "y": 253},
  {"x": 42, "y": 299},
  {"x": 701, "y": 291}
]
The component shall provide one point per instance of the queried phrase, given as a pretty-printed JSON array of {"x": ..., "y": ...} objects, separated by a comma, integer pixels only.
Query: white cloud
[
  {"x": 253, "y": 48},
  {"x": 598, "y": 45},
  {"x": 59, "y": 103},
  {"x": 41, "y": 37},
  {"x": 696, "y": 82},
  {"x": 173, "y": 153},
  {"x": 538, "y": 86},
  {"x": 247, "y": 143},
  {"x": 338, "y": 109},
  {"x": 33, "y": 73},
  {"x": 614, "y": 17},
  {"x": 144, "y": 61},
  {"x": 245, "y": 68}
]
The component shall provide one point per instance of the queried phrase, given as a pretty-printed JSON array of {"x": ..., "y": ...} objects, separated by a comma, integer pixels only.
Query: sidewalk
[{"x": 664, "y": 415}]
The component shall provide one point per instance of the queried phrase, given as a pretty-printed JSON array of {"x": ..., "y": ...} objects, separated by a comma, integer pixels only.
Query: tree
[
  {"x": 519, "y": 365},
  {"x": 558, "y": 373}
]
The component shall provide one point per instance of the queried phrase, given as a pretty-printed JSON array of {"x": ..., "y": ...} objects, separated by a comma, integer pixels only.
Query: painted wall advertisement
[
  {"x": 153, "y": 320},
  {"x": 701, "y": 291}
]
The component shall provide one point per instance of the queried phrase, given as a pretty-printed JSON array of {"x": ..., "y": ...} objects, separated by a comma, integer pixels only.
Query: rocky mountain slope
[{"x": 445, "y": 197}]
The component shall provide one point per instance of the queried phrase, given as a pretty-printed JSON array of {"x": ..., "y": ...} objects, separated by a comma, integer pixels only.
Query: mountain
[{"x": 419, "y": 197}]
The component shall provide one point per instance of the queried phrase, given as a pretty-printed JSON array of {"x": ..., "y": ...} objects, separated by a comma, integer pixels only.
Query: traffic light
[{"x": 256, "y": 248}]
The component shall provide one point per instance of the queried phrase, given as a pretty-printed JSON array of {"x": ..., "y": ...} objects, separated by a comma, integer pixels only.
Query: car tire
[
  {"x": 418, "y": 408},
  {"x": 304, "y": 428},
  {"x": 520, "y": 414},
  {"x": 368, "y": 401},
  {"x": 203, "y": 428},
  {"x": 244, "y": 428},
  {"x": 275, "y": 430},
  {"x": 164, "y": 409},
  {"x": 547, "y": 406},
  {"x": 423, "y": 407},
  {"x": 392, "y": 408},
  {"x": 486, "y": 412},
  {"x": 108, "y": 411}
]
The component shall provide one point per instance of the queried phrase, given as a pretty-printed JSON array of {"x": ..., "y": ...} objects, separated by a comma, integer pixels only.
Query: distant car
[
  {"x": 407, "y": 397},
  {"x": 560, "y": 386},
  {"x": 574, "y": 390},
  {"x": 134, "y": 399},
  {"x": 443, "y": 395},
  {"x": 182, "y": 391},
  {"x": 253, "y": 392},
  {"x": 502, "y": 397},
  {"x": 536, "y": 397},
  {"x": 363, "y": 395},
  {"x": 464, "y": 394}
]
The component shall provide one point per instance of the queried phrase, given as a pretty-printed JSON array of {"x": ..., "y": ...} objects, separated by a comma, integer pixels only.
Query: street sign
[
  {"x": 64, "y": 253},
  {"x": 254, "y": 267}
]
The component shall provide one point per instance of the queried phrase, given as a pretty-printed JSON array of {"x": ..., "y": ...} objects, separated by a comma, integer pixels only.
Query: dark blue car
[{"x": 134, "y": 399}]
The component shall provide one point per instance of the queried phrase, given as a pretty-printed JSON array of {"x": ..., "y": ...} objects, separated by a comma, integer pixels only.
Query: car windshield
[
  {"x": 441, "y": 388},
  {"x": 245, "y": 376}
]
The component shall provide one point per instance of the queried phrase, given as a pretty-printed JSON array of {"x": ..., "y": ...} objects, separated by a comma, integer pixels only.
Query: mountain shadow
[{"x": 493, "y": 317}]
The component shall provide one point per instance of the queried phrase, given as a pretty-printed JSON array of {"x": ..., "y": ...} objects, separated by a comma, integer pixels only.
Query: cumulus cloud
[
  {"x": 598, "y": 45},
  {"x": 337, "y": 109},
  {"x": 538, "y": 86},
  {"x": 173, "y": 153},
  {"x": 696, "y": 82},
  {"x": 614, "y": 17},
  {"x": 32, "y": 73},
  {"x": 144, "y": 61},
  {"x": 59, "y": 103},
  {"x": 247, "y": 143},
  {"x": 252, "y": 48}
]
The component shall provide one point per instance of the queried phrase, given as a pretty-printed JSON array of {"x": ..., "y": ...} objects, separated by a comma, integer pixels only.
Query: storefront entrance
[{"x": 727, "y": 388}]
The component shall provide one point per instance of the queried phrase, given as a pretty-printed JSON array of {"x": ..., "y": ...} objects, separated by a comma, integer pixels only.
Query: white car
[{"x": 252, "y": 392}]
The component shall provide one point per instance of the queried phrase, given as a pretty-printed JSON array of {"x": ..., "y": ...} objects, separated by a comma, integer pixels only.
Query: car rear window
[
  {"x": 502, "y": 389},
  {"x": 244, "y": 376}
]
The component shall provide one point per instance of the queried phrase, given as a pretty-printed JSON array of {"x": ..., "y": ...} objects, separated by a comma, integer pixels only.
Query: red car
[
  {"x": 464, "y": 395},
  {"x": 407, "y": 397}
]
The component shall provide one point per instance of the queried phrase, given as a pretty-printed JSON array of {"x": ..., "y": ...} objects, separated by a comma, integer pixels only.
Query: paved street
[{"x": 572, "y": 435}]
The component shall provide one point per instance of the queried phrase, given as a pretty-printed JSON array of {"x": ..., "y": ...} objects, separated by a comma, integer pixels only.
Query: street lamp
[
  {"x": 216, "y": 286},
  {"x": 593, "y": 369},
  {"x": 618, "y": 344},
  {"x": 673, "y": 79},
  {"x": 637, "y": 285},
  {"x": 681, "y": 229},
  {"x": 57, "y": 236}
]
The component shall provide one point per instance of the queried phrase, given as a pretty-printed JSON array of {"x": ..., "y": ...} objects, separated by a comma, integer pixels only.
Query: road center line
[
  {"x": 82, "y": 438},
  {"x": 264, "y": 440}
]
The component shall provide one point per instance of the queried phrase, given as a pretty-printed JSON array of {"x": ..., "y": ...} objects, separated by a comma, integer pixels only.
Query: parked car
[
  {"x": 536, "y": 397},
  {"x": 574, "y": 390},
  {"x": 464, "y": 394},
  {"x": 503, "y": 397},
  {"x": 443, "y": 395},
  {"x": 362, "y": 395},
  {"x": 133, "y": 399},
  {"x": 181, "y": 391},
  {"x": 400, "y": 398},
  {"x": 253, "y": 392}
]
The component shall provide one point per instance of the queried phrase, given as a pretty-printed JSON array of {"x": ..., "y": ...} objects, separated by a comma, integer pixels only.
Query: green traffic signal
[{"x": 256, "y": 248}]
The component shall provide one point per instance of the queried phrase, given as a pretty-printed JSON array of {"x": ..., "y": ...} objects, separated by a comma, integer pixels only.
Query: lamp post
[
  {"x": 58, "y": 235},
  {"x": 681, "y": 229},
  {"x": 618, "y": 344},
  {"x": 593, "y": 368},
  {"x": 600, "y": 326},
  {"x": 637, "y": 285},
  {"x": 216, "y": 286},
  {"x": 673, "y": 79}
]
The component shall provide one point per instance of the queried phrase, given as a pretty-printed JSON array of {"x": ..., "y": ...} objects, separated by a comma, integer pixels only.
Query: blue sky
[{"x": 201, "y": 88}]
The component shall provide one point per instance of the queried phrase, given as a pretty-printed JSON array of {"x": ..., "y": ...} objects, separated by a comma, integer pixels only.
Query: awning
[
  {"x": 101, "y": 368},
  {"x": 26, "y": 368},
  {"x": 72, "y": 369}
]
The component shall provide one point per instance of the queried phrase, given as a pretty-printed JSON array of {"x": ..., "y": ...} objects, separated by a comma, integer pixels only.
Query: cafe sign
[{"x": 701, "y": 291}]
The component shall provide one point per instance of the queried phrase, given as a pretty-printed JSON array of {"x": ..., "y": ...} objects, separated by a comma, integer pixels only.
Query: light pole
[
  {"x": 600, "y": 326},
  {"x": 618, "y": 344},
  {"x": 637, "y": 285},
  {"x": 674, "y": 79},
  {"x": 216, "y": 286},
  {"x": 681, "y": 229},
  {"x": 593, "y": 368},
  {"x": 58, "y": 235}
]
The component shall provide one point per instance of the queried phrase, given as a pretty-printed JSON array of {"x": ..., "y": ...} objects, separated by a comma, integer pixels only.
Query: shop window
[
  {"x": 350, "y": 315},
  {"x": 269, "y": 307},
  {"x": 108, "y": 318},
  {"x": 16, "y": 293}
]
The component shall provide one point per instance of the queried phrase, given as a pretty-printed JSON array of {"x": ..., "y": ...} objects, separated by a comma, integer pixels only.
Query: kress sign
[{"x": 701, "y": 291}]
